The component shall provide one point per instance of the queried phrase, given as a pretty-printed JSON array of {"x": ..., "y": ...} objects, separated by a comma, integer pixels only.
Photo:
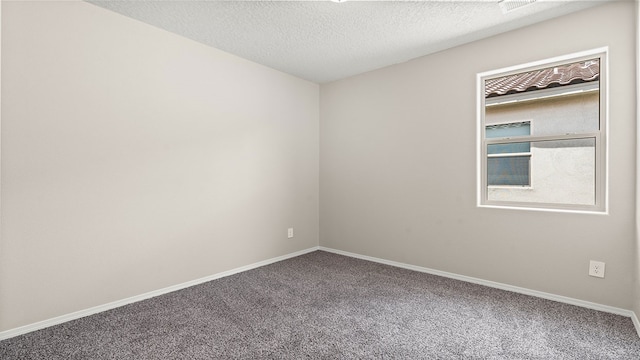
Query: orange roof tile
[{"x": 574, "y": 73}]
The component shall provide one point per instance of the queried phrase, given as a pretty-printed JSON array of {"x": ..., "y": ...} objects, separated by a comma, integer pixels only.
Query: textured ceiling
[{"x": 322, "y": 41}]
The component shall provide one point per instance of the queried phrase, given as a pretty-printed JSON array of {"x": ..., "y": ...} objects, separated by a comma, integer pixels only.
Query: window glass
[
  {"x": 554, "y": 157},
  {"x": 562, "y": 172},
  {"x": 512, "y": 170}
]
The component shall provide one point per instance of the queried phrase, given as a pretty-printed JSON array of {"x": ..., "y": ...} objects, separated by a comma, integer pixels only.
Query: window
[
  {"x": 541, "y": 134},
  {"x": 508, "y": 164}
]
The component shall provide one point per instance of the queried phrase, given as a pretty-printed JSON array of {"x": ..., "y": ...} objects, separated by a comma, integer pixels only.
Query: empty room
[{"x": 438, "y": 179}]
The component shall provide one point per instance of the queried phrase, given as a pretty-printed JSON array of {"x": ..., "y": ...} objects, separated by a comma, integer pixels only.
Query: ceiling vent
[{"x": 510, "y": 5}]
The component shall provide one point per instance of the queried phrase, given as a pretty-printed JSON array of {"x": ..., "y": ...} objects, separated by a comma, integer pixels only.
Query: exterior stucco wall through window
[{"x": 561, "y": 171}]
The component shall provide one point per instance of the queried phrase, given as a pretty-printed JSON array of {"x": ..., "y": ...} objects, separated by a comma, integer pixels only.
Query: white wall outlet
[
  {"x": 289, "y": 233},
  {"x": 596, "y": 268}
]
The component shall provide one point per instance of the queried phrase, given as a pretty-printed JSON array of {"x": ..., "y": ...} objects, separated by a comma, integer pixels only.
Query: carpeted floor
[{"x": 327, "y": 306}]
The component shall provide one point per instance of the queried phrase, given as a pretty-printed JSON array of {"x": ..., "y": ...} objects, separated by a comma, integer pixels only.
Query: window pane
[
  {"x": 509, "y": 170},
  {"x": 519, "y": 147},
  {"x": 508, "y": 130},
  {"x": 542, "y": 135},
  {"x": 563, "y": 99},
  {"x": 561, "y": 172}
]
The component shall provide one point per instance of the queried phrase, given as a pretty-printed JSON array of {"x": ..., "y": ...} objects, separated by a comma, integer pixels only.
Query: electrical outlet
[
  {"x": 289, "y": 233},
  {"x": 596, "y": 268}
]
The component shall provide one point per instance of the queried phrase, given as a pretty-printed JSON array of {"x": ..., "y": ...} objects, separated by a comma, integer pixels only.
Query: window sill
[{"x": 546, "y": 209}]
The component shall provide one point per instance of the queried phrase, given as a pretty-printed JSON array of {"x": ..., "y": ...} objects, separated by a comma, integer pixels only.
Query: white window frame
[{"x": 601, "y": 136}]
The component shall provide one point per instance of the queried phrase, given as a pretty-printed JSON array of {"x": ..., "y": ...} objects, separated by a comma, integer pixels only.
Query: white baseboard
[
  {"x": 636, "y": 322},
  {"x": 112, "y": 305},
  {"x": 516, "y": 289}
]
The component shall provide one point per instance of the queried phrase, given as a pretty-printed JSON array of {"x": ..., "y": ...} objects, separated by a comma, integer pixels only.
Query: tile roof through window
[{"x": 569, "y": 74}]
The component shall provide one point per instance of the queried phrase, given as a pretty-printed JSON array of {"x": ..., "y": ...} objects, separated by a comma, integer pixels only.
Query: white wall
[
  {"x": 398, "y": 167},
  {"x": 134, "y": 159},
  {"x": 636, "y": 272}
]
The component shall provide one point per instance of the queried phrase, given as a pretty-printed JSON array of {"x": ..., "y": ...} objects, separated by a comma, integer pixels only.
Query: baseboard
[
  {"x": 636, "y": 322},
  {"x": 112, "y": 305},
  {"x": 516, "y": 289}
]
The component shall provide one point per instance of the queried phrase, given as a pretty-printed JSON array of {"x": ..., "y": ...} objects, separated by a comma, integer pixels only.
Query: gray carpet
[{"x": 327, "y": 306}]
